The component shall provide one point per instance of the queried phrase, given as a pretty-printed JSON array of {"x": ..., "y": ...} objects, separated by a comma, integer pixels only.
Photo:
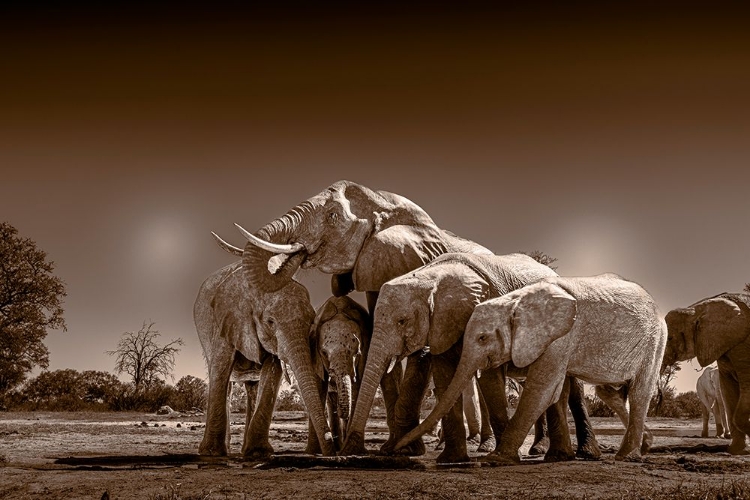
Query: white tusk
[
  {"x": 271, "y": 247},
  {"x": 479, "y": 373},
  {"x": 226, "y": 246},
  {"x": 393, "y": 363}
]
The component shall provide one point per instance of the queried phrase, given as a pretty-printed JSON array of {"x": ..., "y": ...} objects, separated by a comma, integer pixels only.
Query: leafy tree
[
  {"x": 663, "y": 389},
  {"x": 191, "y": 392},
  {"x": 747, "y": 288},
  {"x": 30, "y": 305},
  {"x": 49, "y": 387},
  {"x": 542, "y": 258},
  {"x": 139, "y": 355},
  {"x": 99, "y": 386}
]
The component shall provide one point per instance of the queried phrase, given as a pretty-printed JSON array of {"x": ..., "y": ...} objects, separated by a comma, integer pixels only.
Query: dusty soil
[{"x": 31, "y": 445}]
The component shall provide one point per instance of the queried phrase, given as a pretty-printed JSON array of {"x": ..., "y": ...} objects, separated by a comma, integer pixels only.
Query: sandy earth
[{"x": 30, "y": 444}]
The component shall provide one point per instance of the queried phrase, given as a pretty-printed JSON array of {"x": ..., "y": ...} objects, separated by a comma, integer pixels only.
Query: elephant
[
  {"x": 605, "y": 330},
  {"x": 718, "y": 329},
  {"x": 339, "y": 339},
  {"x": 708, "y": 388},
  {"x": 362, "y": 237},
  {"x": 426, "y": 311},
  {"x": 243, "y": 324}
]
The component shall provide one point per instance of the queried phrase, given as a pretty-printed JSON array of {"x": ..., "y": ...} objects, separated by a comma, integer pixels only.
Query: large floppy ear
[
  {"x": 454, "y": 300},
  {"x": 720, "y": 326},
  {"x": 543, "y": 313}
]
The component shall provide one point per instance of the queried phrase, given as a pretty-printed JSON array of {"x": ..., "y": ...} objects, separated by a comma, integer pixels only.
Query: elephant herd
[{"x": 446, "y": 309}]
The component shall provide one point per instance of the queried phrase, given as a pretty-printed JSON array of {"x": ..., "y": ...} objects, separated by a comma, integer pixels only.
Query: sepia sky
[{"x": 612, "y": 140}]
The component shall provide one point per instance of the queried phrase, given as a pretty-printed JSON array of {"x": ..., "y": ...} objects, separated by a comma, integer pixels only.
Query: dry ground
[{"x": 30, "y": 444}]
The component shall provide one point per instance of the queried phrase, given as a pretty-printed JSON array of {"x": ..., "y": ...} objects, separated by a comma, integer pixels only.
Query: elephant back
[{"x": 503, "y": 273}]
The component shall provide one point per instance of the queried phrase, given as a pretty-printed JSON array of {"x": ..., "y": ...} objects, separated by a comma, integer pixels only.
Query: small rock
[
  {"x": 144, "y": 424},
  {"x": 178, "y": 425},
  {"x": 164, "y": 410},
  {"x": 193, "y": 428},
  {"x": 156, "y": 425}
]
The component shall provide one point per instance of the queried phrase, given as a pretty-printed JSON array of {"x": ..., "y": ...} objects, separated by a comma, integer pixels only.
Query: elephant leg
[
  {"x": 637, "y": 440},
  {"x": 540, "y": 445},
  {"x": 704, "y": 417},
  {"x": 732, "y": 394},
  {"x": 486, "y": 436},
  {"x": 335, "y": 420},
  {"x": 588, "y": 447},
  {"x": 216, "y": 436},
  {"x": 313, "y": 444},
  {"x": 544, "y": 384},
  {"x": 492, "y": 392},
  {"x": 256, "y": 435},
  {"x": 615, "y": 398},
  {"x": 560, "y": 447},
  {"x": 251, "y": 394},
  {"x": 722, "y": 415},
  {"x": 409, "y": 404},
  {"x": 717, "y": 418},
  {"x": 454, "y": 432},
  {"x": 471, "y": 412}
]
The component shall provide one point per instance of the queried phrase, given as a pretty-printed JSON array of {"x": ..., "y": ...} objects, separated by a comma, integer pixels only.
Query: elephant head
[
  {"x": 707, "y": 329},
  {"x": 338, "y": 341},
  {"x": 515, "y": 327},
  {"x": 361, "y": 236}
]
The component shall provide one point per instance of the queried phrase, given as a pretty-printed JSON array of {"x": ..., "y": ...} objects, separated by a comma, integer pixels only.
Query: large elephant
[
  {"x": 718, "y": 329},
  {"x": 339, "y": 339},
  {"x": 363, "y": 238},
  {"x": 242, "y": 323},
  {"x": 708, "y": 388},
  {"x": 428, "y": 309},
  {"x": 602, "y": 329}
]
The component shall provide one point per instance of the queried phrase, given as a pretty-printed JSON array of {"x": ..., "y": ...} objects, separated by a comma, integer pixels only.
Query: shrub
[
  {"x": 289, "y": 400},
  {"x": 189, "y": 392},
  {"x": 598, "y": 408}
]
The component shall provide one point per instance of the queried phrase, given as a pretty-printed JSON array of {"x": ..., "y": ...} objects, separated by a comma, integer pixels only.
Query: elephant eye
[
  {"x": 270, "y": 321},
  {"x": 482, "y": 338}
]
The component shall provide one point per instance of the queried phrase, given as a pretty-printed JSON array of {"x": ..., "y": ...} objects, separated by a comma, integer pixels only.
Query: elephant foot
[
  {"x": 313, "y": 448},
  {"x": 540, "y": 447},
  {"x": 451, "y": 457},
  {"x": 704, "y": 434},
  {"x": 212, "y": 449},
  {"x": 487, "y": 445},
  {"x": 414, "y": 449},
  {"x": 474, "y": 440},
  {"x": 500, "y": 458},
  {"x": 354, "y": 445},
  {"x": 738, "y": 449},
  {"x": 648, "y": 440},
  {"x": 260, "y": 451},
  {"x": 589, "y": 451},
  {"x": 559, "y": 456},
  {"x": 633, "y": 456}
]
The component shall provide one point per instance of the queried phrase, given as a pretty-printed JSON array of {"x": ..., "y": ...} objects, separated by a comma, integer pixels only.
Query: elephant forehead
[{"x": 339, "y": 331}]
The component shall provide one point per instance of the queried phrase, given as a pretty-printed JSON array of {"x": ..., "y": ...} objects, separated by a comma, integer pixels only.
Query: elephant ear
[
  {"x": 720, "y": 326},
  {"x": 454, "y": 300},
  {"x": 393, "y": 252},
  {"x": 544, "y": 312}
]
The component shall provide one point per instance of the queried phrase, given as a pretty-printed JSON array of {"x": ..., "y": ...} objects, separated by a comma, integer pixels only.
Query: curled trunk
[{"x": 464, "y": 373}]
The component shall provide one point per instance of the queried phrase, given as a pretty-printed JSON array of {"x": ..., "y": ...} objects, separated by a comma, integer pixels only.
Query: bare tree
[
  {"x": 664, "y": 390},
  {"x": 747, "y": 288},
  {"x": 542, "y": 258},
  {"x": 140, "y": 356},
  {"x": 30, "y": 304}
]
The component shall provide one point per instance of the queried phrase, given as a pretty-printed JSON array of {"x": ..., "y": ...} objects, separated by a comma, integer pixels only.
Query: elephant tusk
[
  {"x": 394, "y": 359},
  {"x": 479, "y": 374},
  {"x": 270, "y": 247},
  {"x": 226, "y": 246}
]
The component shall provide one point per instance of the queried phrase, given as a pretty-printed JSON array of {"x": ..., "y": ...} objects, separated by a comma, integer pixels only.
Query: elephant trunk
[
  {"x": 298, "y": 356},
  {"x": 465, "y": 371},
  {"x": 377, "y": 362},
  {"x": 282, "y": 230},
  {"x": 344, "y": 386}
]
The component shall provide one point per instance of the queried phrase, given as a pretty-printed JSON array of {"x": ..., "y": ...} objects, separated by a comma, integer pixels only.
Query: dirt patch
[{"x": 82, "y": 455}]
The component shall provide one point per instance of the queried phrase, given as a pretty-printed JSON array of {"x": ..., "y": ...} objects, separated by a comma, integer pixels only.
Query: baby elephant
[
  {"x": 339, "y": 339},
  {"x": 602, "y": 329}
]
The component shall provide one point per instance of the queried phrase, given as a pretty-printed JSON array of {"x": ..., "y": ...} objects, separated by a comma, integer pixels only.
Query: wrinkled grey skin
[
  {"x": 241, "y": 327},
  {"x": 603, "y": 329},
  {"x": 338, "y": 342},
  {"x": 718, "y": 329},
  {"x": 364, "y": 238},
  {"x": 708, "y": 388},
  {"x": 430, "y": 307}
]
